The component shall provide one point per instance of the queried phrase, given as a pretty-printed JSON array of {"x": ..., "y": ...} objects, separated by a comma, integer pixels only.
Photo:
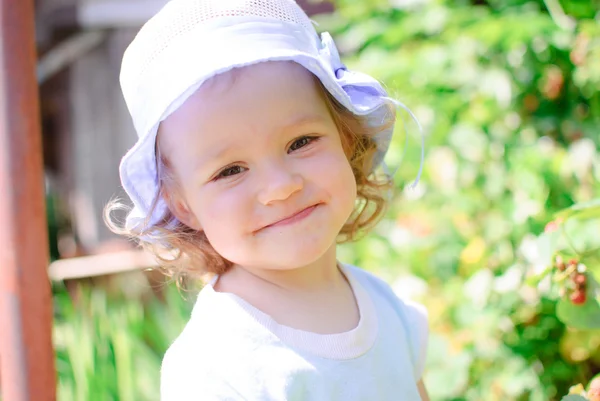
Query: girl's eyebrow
[
  {"x": 213, "y": 157},
  {"x": 305, "y": 119},
  {"x": 295, "y": 122}
]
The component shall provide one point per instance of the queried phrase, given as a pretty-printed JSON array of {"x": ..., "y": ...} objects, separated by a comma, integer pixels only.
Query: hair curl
[{"x": 182, "y": 251}]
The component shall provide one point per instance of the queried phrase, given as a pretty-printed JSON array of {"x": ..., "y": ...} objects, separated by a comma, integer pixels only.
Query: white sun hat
[{"x": 191, "y": 41}]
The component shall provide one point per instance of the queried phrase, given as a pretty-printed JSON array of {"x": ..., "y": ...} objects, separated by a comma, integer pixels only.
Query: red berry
[
  {"x": 573, "y": 262},
  {"x": 560, "y": 264},
  {"x": 550, "y": 227},
  {"x": 593, "y": 393},
  {"x": 580, "y": 279},
  {"x": 578, "y": 297}
]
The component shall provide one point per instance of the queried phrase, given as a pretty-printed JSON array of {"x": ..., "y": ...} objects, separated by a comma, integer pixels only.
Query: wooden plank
[
  {"x": 101, "y": 133},
  {"x": 26, "y": 353},
  {"x": 65, "y": 53},
  {"x": 117, "y": 13},
  {"x": 100, "y": 265}
]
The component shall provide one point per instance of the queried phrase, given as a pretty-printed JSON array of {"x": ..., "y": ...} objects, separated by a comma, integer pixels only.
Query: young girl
[{"x": 257, "y": 153}]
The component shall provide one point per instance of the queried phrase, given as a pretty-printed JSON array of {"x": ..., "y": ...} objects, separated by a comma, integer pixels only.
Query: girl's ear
[{"x": 180, "y": 209}]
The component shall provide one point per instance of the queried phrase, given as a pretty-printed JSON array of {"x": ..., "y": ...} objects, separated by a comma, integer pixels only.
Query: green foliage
[
  {"x": 509, "y": 103},
  {"x": 109, "y": 347},
  {"x": 574, "y": 236}
]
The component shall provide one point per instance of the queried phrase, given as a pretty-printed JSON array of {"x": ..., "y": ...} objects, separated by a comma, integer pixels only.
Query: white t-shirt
[{"x": 230, "y": 350}]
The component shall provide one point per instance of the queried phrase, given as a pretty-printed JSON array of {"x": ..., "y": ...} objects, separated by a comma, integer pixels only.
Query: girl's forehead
[
  {"x": 252, "y": 100},
  {"x": 269, "y": 89}
]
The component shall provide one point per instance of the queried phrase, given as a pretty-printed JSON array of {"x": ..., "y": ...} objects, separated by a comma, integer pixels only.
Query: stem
[
  {"x": 563, "y": 275},
  {"x": 590, "y": 252},
  {"x": 558, "y": 15},
  {"x": 569, "y": 241}
]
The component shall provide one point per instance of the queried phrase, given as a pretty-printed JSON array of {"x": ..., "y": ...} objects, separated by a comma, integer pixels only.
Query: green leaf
[
  {"x": 573, "y": 397},
  {"x": 548, "y": 245},
  {"x": 586, "y": 210},
  {"x": 593, "y": 264},
  {"x": 579, "y": 235},
  {"x": 534, "y": 280}
]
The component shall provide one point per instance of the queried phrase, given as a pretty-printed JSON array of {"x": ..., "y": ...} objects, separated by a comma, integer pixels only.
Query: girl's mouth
[{"x": 294, "y": 218}]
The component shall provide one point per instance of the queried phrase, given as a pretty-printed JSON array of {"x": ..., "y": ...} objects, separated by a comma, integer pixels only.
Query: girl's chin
[{"x": 283, "y": 257}]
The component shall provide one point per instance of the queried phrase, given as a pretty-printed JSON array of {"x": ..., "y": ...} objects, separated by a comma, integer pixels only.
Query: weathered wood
[
  {"x": 101, "y": 133},
  {"x": 26, "y": 353},
  {"x": 66, "y": 52},
  {"x": 100, "y": 265}
]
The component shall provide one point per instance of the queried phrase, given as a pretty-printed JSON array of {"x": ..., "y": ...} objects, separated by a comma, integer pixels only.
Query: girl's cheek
[
  {"x": 221, "y": 204},
  {"x": 333, "y": 162}
]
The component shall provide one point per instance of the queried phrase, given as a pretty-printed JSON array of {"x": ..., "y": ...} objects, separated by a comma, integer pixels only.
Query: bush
[{"x": 510, "y": 108}]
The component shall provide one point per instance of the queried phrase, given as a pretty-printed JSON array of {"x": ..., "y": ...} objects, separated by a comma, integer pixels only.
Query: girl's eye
[
  {"x": 229, "y": 171},
  {"x": 301, "y": 142}
]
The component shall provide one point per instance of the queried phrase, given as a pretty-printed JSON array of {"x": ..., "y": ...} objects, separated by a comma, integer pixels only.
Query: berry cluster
[
  {"x": 593, "y": 393},
  {"x": 576, "y": 272}
]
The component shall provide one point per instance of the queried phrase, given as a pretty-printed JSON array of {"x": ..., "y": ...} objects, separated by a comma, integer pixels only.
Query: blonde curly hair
[{"x": 182, "y": 251}]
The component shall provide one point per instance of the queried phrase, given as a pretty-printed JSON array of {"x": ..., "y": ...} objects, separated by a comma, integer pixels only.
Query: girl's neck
[
  {"x": 321, "y": 275},
  {"x": 316, "y": 298}
]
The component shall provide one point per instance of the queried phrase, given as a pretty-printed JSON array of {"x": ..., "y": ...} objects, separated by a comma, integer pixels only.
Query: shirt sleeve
[
  {"x": 418, "y": 323},
  {"x": 413, "y": 316}
]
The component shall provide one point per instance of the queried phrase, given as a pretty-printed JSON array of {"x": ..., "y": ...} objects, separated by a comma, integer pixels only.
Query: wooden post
[{"x": 26, "y": 353}]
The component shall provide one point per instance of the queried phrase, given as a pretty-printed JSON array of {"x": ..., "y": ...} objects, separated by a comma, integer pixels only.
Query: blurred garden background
[{"x": 507, "y": 92}]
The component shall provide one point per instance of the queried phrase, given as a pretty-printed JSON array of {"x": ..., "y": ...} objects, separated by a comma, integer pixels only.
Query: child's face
[{"x": 251, "y": 149}]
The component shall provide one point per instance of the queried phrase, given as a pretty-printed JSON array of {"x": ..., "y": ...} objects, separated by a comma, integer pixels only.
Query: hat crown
[
  {"x": 283, "y": 10},
  {"x": 180, "y": 19}
]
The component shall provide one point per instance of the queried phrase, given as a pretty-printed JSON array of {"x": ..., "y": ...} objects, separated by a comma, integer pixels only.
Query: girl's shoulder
[
  {"x": 413, "y": 315},
  {"x": 376, "y": 286}
]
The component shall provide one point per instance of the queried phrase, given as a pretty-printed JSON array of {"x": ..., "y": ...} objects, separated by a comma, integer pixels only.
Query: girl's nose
[{"x": 279, "y": 184}]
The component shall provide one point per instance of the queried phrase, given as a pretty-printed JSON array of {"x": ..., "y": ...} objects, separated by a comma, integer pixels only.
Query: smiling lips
[{"x": 296, "y": 217}]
